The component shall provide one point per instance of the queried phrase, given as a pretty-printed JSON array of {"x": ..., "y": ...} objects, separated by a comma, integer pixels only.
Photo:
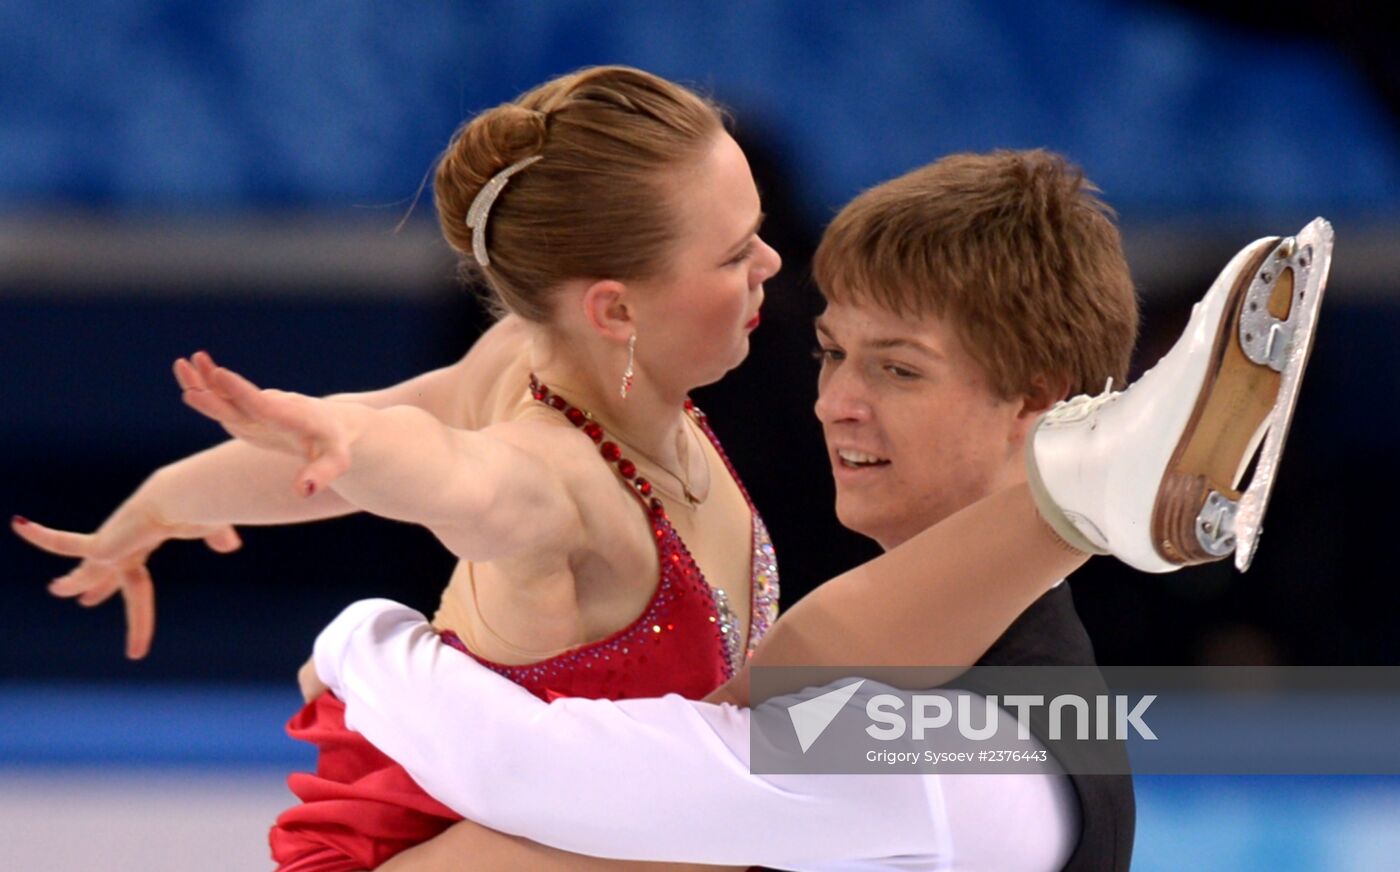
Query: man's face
[{"x": 913, "y": 430}]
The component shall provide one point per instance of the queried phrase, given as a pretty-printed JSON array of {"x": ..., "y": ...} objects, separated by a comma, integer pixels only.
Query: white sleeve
[{"x": 652, "y": 779}]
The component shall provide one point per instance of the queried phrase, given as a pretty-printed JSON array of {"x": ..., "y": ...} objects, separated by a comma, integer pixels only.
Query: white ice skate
[{"x": 1151, "y": 474}]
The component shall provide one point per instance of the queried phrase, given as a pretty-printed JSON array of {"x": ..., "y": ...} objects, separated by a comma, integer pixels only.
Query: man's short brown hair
[{"x": 1013, "y": 248}]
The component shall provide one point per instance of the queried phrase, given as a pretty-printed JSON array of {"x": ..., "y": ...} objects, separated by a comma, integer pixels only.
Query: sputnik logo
[{"x": 810, "y": 718}]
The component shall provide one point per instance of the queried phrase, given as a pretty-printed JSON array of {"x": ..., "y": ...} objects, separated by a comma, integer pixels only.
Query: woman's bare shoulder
[
  {"x": 492, "y": 376},
  {"x": 550, "y": 442}
]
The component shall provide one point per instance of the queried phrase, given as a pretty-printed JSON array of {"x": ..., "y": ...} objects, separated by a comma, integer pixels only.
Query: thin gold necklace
[
  {"x": 683, "y": 455},
  {"x": 578, "y": 416}
]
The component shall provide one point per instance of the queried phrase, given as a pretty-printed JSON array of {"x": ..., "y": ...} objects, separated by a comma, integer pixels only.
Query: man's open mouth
[{"x": 859, "y": 459}]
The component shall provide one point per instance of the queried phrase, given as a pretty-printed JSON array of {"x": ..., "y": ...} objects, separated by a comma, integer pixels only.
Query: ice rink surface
[{"x": 156, "y": 820}]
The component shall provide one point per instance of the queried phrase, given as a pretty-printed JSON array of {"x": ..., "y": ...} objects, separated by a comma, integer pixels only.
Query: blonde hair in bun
[{"x": 599, "y": 202}]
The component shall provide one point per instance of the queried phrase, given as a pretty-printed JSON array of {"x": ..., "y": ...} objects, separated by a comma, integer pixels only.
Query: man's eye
[
  {"x": 824, "y": 354},
  {"x": 900, "y": 372},
  {"x": 741, "y": 256}
]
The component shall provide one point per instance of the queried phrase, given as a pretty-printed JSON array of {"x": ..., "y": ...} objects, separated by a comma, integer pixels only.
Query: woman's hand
[
  {"x": 315, "y": 430},
  {"x": 310, "y": 683},
  {"x": 114, "y": 559}
]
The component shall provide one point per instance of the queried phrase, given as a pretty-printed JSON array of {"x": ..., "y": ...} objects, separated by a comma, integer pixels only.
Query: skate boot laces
[{"x": 1077, "y": 408}]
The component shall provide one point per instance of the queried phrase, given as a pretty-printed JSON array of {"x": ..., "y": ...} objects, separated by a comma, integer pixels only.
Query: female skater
[{"x": 591, "y": 506}]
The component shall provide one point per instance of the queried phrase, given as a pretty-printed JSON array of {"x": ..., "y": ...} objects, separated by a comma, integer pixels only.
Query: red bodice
[
  {"x": 687, "y": 640},
  {"x": 361, "y": 808}
]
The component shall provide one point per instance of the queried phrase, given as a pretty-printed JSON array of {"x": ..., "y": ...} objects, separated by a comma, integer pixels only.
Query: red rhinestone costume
[{"x": 361, "y": 808}]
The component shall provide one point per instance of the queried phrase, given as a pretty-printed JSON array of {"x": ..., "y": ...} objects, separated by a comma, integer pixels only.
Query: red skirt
[{"x": 358, "y": 810}]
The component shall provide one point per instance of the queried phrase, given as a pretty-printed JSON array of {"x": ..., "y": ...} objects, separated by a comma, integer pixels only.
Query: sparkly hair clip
[{"x": 481, "y": 207}]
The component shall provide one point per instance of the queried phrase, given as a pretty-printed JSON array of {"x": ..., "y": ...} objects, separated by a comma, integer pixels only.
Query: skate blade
[
  {"x": 1273, "y": 299},
  {"x": 1312, "y": 260},
  {"x": 1193, "y": 518}
]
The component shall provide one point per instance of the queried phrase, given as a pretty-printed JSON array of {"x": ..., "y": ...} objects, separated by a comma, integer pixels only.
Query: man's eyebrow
[
  {"x": 747, "y": 236},
  {"x": 884, "y": 343}
]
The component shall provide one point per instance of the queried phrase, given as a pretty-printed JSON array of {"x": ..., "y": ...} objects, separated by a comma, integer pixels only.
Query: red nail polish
[{"x": 20, "y": 520}]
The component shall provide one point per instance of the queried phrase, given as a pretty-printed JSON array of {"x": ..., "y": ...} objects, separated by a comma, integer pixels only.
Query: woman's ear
[{"x": 606, "y": 310}]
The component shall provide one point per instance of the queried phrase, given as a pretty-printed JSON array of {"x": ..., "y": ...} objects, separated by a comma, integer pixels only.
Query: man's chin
[{"x": 856, "y": 515}]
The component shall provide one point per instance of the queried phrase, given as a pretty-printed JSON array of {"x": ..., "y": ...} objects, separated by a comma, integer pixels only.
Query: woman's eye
[
  {"x": 900, "y": 372},
  {"x": 741, "y": 256},
  {"x": 824, "y": 354}
]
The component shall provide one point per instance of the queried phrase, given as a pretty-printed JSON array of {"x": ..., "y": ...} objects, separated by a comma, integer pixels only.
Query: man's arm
[
  {"x": 469, "y": 847},
  {"x": 658, "y": 779}
]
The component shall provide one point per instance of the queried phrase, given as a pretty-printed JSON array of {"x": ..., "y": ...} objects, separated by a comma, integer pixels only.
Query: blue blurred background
[{"x": 245, "y": 177}]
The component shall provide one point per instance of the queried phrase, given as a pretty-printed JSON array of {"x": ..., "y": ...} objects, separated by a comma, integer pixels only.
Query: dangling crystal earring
[{"x": 627, "y": 373}]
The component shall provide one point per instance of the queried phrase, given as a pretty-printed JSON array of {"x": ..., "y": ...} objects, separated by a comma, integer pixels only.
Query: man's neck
[{"x": 1015, "y": 473}]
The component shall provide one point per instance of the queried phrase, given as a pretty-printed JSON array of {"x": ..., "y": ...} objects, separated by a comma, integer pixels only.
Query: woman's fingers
[
  {"x": 196, "y": 392},
  {"x": 203, "y": 363},
  {"x": 187, "y": 376},
  {"x": 232, "y": 385},
  {"x": 319, "y": 473},
  {"x": 87, "y": 576},
  {"x": 139, "y": 593},
  {"x": 211, "y": 405},
  {"x": 224, "y": 540},
  {"x": 278, "y": 420},
  {"x": 98, "y": 595},
  {"x": 212, "y": 397},
  {"x": 54, "y": 541},
  {"x": 310, "y": 682},
  {"x": 282, "y": 410}
]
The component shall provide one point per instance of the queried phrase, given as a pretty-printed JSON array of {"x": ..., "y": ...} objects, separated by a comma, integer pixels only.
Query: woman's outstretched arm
[
  {"x": 238, "y": 483},
  {"x": 480, "y": 492},
  {"x": 203, "y": 496}
]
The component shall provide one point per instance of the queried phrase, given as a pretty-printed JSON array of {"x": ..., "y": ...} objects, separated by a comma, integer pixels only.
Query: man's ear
[
  {"x": 606, "y": 310},
  {"x": 1045, "y": 391}
]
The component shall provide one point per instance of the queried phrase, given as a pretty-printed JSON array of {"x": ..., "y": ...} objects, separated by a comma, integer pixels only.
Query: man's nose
[{"x": 841, "y": 397}]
